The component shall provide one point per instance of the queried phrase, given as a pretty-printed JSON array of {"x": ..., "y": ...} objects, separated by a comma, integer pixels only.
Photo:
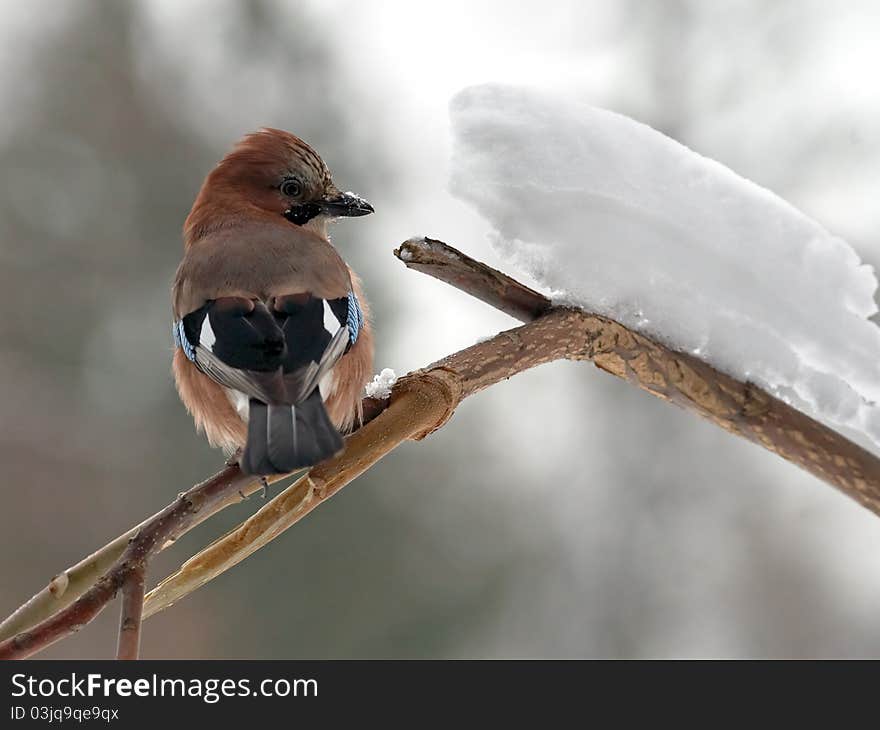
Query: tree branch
[
  {"x": 165, "y": 526},
  {"x": 739, "y": 407},
  {"x": 131, "y": 614},
  {"x": 71, "y": 583},
  {"x": 564, "y": 333},
  {"x": 422, "y": 402},
  {"x": 482, "y": 282}
]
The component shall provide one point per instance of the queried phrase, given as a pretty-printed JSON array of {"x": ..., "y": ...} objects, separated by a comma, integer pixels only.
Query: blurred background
[{"x": 559, "y": 514}]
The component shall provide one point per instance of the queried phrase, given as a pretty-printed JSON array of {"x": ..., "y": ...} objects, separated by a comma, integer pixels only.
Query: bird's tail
[{"x": 283, "y": 438}]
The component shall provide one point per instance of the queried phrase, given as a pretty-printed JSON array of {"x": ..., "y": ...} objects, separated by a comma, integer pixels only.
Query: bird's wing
[
  {"x": 276, "y": 352},
  {"x": 317, "y": 332}
]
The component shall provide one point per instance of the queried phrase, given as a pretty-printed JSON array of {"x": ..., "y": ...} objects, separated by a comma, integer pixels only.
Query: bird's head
[{"x": 274, "y": 173}]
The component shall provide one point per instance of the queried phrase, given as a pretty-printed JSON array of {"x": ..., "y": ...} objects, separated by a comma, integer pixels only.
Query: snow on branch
[{"x": 618, "y": 219}]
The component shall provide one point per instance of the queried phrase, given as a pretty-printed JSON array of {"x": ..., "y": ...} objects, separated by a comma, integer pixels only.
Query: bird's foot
[{"x": 234, "y": 458}]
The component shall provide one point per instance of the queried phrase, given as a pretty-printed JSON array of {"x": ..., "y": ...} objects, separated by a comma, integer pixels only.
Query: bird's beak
[{"x": 345, "y": 204}]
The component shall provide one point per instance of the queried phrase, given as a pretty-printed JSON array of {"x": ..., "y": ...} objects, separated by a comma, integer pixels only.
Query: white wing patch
[
  {"x": 327, "y": 385},
  {"x": 331, "y": 323},
  {"x": 240, "y": 402},
  {"x": 206, "y": 336}
]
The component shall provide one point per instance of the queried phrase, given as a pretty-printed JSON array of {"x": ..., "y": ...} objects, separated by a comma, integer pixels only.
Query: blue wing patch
[
  {"x": 355, "y": 318},
  {"x": 181, "y": 341}
]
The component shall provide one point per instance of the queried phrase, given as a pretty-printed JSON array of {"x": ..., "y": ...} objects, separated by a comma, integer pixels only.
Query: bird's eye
[{"x": 291, "y": 187}]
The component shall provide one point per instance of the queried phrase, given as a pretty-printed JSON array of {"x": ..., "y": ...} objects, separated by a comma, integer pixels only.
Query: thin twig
[
  {"x": 165, "y": 526},
  {"x": 473, "y": 277},
  {"x": 70, "y": 584},
  {"x": 131, "y": 615}
]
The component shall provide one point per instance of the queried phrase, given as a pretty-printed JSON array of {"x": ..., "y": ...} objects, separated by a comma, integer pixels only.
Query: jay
[{"x": 273, "y": 343}]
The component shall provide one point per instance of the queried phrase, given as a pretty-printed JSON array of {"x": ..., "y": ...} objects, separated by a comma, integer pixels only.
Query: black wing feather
[{"x": 273, "y": 356}]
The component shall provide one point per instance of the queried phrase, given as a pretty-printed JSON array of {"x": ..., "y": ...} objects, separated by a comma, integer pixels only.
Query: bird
[{"x": 273, "y": 339}]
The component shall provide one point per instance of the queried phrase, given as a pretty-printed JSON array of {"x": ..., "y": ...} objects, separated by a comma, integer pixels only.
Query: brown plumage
[{"x": 256, "y": 235}]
